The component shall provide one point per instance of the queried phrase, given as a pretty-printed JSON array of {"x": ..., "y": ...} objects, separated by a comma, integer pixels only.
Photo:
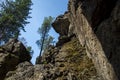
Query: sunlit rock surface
[{"x": 97, "y": 25}]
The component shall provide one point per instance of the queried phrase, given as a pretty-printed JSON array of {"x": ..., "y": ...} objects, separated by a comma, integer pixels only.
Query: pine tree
[
  {"x": 13, "y": 16},
  {"x": 44, "y": 37}
]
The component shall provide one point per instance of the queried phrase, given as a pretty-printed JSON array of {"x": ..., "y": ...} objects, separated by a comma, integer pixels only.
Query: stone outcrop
[
  {"x": 17, "y": 48},
  {"x": 97, "y": 25},
  {"x": 11, "y": 54},
  {"x": 62, "y": 24},
  {"x": 25, "y": 71},
  {"x": 68, "y": 62}
]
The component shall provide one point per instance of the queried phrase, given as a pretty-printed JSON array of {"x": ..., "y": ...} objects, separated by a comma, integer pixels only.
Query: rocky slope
[
  {"x": 66, "y": 62},
  {"x": 88, "y": 46}
]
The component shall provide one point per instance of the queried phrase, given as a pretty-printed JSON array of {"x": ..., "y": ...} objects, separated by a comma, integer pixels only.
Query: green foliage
[
  {"x": 45, "y": 62},
  {"x": 48, "y": 41},
  {"x": 45, "y": 27},
  {"x": 13, "y": 16},
  {"x": 43, "y": 31}
]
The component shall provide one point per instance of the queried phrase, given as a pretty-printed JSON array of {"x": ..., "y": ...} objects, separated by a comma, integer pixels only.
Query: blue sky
[{"x": 41, "y": 9}]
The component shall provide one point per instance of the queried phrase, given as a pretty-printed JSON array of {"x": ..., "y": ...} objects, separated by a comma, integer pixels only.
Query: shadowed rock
[{"x": 11, "y": 54}]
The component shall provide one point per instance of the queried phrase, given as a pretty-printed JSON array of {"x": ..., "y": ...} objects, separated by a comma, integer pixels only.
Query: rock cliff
[
  {"x": 97, "y": 25},
  {"x": 88, "y": 47}
]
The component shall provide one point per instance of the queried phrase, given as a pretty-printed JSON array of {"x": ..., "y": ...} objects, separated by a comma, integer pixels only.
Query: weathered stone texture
[
  {"x": 61, "y": 25},
  {"x": 68, "y": 62},
  {"x": 25, "y": 71},
  {"x": 97, "y": 27},
  {"x": 11, "y": 54}
]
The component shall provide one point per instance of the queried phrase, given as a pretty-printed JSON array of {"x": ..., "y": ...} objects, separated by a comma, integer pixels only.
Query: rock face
[
  {"x": 11, "y": 54},
  {"x": 97, "y": 25},
  {"x": 62, "y": 24},
  {"x": 17, "y": 48},
  {"x": 25, "y": 71},
  {"x": 68, "y": 62}
]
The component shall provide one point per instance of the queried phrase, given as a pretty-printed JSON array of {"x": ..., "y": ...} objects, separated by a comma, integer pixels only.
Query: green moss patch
[{"x": 78, "y": 61}]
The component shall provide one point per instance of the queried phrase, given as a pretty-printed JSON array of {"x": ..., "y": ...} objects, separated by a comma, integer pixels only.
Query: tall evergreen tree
[
  {"x": 43, "y": 31},
  {"x": 47, "y": 42},
  {"x": 13, "y": 16}
]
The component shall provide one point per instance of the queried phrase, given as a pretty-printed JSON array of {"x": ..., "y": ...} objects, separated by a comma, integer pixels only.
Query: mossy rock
[{"x": 77, "y": 60}]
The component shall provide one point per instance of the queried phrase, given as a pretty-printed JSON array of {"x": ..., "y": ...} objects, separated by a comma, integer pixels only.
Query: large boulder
[
  {"x": 17, "y": 48},
  {"x": 8, "y": 62},
  {"x": 61, "y": 25},
  {"x": 11, "y": 54}
]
